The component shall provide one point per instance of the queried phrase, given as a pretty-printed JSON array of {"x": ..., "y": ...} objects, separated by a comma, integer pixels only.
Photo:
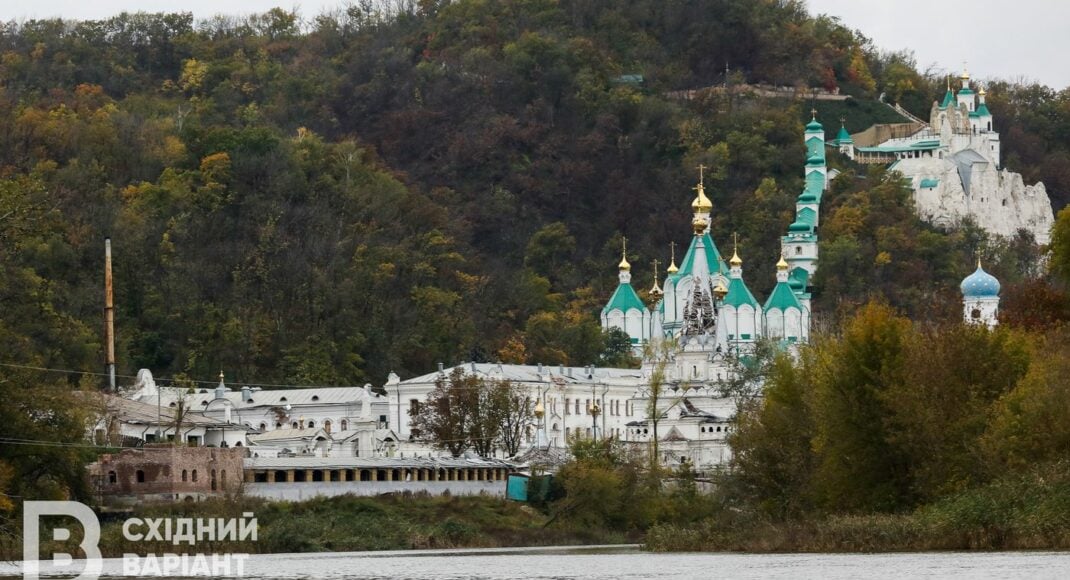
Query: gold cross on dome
[{"x": 701, "y": 173}]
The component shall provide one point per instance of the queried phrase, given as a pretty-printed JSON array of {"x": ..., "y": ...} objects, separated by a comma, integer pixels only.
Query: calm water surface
[{"x": 612, "y": 563}]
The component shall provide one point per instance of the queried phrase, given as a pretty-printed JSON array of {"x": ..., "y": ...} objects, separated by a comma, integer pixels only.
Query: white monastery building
[{"x": 953, "y": 165}]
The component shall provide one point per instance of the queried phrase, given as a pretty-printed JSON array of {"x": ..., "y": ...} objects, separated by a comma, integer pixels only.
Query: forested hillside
[{"x": 323, "y": 201}]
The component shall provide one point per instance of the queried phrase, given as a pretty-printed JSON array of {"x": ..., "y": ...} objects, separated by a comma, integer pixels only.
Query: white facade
[{"x": 954, "y": 167}]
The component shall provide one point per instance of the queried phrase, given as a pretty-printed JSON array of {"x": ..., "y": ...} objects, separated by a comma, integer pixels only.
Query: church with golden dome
[{"x": 704, "y": 305}]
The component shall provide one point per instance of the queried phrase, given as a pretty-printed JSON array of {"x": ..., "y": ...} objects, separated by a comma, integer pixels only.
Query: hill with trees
[{"x": 323, "y": 201}]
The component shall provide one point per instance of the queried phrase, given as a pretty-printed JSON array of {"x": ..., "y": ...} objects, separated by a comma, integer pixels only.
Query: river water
[{"x": 630, "y": 563}]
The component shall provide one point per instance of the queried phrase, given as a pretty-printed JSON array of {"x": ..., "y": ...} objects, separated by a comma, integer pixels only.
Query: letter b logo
[{"x": 32, "y": 512}]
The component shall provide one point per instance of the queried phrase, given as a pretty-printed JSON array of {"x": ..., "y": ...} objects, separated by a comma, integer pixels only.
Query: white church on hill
[{"x": 953, "y": 165}]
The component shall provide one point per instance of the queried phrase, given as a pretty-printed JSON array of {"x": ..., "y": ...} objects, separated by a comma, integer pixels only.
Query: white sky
[{"x": 1024, "y": 38}]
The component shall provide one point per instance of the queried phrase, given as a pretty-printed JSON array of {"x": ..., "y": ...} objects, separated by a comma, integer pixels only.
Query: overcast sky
[{"x": 1023, "y": 38}]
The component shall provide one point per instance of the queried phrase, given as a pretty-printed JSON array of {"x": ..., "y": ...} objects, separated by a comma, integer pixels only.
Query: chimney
[
  {"x": 539, "y": 372},
  {"x": 109, "y": 318},
  {"x": 246, "y": 394},
  {"x": 441, "y": 367},
  {"x": 473, "y": 366},
  {"x": 561, "y": 369}
]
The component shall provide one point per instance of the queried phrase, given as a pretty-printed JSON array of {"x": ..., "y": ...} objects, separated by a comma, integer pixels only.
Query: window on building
[
  {"x": 140, "y": 476},
  {"x": 311, "y": 424},
  {"x": 293, "y": 425},
  {"x": 194, "y": 475},
  {"x": 414, "y": 407},
  {"x": 184, "y": 475},
  {"x": 568, "y": 408},
  {"x": 975, "y": 313},
  {"x": 112, "y": 477},
  {"x": 345, "y": 425},
  {"x": 383, "y": 422},
  {"x": 327, "y": 426},
  {"x": 577, "y": 406},
  {"x": 263, "y": 426},
  {"x": 587, "y": 406},
  {"x": 798, "y": 250}
]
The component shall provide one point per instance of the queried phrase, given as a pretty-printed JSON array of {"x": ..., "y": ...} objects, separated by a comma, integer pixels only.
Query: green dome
[
  {"x": 800, "y": 226},
  {"x": 843, "y": 136},
  {"x": 813, "y": 125},
  {"x": 814, "y": 161}
]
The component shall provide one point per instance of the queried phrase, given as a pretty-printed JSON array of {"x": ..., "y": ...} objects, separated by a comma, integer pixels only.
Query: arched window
[
  {"x": 184, "y": 475},
  {"x": 112, "y": 477},
  {"x": 345, "y": 425},
  {"x": 798, "y": 250},
  {"x": 311, "y": 424},
  {"x": 294, "y": 425},
  {"x": 975, "y": 313},
  {"x": 327, "y": 426},
  {"x": 263, "y": 426},
  {"x": 194, "y": 476},
  {"x": 140, "y": 476}
]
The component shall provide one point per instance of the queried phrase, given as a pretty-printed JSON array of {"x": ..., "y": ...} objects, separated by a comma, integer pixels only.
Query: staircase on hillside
[{"x": 906, "y": 113}]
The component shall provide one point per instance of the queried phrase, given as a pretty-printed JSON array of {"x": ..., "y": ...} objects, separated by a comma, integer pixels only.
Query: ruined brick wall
[{"x": 168, "y": 471}]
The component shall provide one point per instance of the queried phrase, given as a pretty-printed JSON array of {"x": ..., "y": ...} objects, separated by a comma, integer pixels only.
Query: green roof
[
  {"x": 982, "y": 110},
  {"x": 843, "y": 136},
  {"x": 782, "y": 298},
  {"x": 713, "y": 259},
  {"x": 925, "y": 145},
  {"x": 797, "y": 279},
  {"x": 808, "y": 197},
  {"x": 949, "y": 98},
  {"x": 738, "y": 294},
  {"x": 808, "y": 215},
  {"x": 813, "y": 126},
  {"x": 927, "y": 183},
  {"x": 624, "y": 299},
  {"x": 965, "y": 91}
]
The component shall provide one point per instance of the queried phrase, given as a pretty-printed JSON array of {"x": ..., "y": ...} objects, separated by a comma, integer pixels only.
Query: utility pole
[{"x": 109, "y": 318}]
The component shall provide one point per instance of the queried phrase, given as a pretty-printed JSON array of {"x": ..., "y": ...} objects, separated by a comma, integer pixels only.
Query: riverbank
[
  {"x": 1030, "y": 511},
  {"x": 350, "y": 524}
]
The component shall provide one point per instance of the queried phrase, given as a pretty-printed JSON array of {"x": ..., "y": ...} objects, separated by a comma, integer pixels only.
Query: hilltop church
[{"x": 953, "y": 165}]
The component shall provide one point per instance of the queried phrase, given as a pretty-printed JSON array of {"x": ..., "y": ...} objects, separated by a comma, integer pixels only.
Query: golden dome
[
  {"x": 672, "y": 262},
  {"x": 735, "y": 262},
  {"x": 982, "y": 91},
  {"x": 624, "y": 265},
  {"x": 720, "y": 290},
  {"x": 701, "y": 204},
  {"x": 782, "y": 264},
  {"x": 672, "y": 268}
]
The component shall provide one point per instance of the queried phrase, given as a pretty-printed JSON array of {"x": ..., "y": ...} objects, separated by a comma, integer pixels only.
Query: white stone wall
[{"x": 999, "y": 201}]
